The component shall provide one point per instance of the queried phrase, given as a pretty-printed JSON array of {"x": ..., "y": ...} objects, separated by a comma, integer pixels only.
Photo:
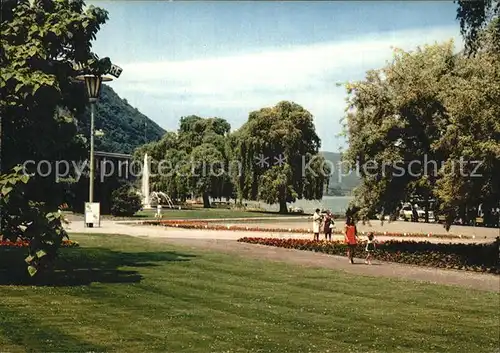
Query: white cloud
[{"x": 304, "y": 74}]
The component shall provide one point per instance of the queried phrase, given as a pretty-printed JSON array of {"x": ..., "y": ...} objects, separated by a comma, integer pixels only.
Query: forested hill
[
  {"x": 125, "y": 128},
  {"x": 342, "y": 182}
]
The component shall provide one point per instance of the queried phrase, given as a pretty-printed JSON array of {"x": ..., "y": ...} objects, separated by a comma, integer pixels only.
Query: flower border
[
  {"x": 209, "y": 225},
  {"x": 24, "y": 244},
  {"x": 468, "y": 257}
]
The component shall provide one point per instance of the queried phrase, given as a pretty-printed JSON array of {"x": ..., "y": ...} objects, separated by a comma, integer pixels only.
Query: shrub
[
  {"x": 29, "y": 222},
  {"x": 125, "y": 201}
]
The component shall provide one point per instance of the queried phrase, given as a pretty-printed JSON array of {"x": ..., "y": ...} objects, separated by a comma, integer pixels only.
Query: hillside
[
  {"x": 124, "y": 127},
  {"x": 340, "y": 183}
]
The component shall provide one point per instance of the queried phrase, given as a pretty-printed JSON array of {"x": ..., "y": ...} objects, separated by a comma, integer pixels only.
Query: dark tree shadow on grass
[{"x": 83, "y": 266}]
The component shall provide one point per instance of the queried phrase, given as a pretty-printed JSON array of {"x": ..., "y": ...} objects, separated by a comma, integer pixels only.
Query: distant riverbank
[{"x": 336, "y": 204}]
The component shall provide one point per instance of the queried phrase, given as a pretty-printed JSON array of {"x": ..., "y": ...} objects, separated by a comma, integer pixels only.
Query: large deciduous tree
[
  {"x": 472, "y": 131},
  {"x": 474, "y": 17},
  {"x": 395, "y": 118},
  {"x": 165, "y": 155},
  {"x": 416, "y": 119},
  {"x": 278, "y": 151},
  {"x": 40, "y": 41},
  {"x": 204, "y": 140},
  {"x": 193, "y": 160}
]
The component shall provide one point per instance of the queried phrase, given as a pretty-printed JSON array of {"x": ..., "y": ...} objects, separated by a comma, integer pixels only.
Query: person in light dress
[{"x": 317, "y": 219}]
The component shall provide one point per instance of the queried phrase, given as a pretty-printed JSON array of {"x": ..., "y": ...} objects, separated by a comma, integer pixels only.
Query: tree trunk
[
  {"x": 283, "y": 208},
  {"x": 206, "y": 200},
  {"x": 239, "y": 198}
]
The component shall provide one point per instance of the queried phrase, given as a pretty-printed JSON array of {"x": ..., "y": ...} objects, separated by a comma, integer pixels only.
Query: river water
[{"x": 336, "y": 204}]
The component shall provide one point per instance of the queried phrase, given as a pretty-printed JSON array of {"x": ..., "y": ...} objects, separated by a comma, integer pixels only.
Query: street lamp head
[{"x": 93, "y": 85}]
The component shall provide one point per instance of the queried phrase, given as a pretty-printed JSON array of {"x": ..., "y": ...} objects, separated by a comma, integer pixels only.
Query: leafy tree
[
  {"x": 284, "y": 134},
  {"x": 25, "y": 220},
  {"x": 203, "y": 140},
  {"x": 194, "y": 131},
  {"x": 474, "y": 17},
  {"x": 191, "y": 161},
  {"x": 428, "y": 105},
  {"x": 396, "y": 118},
  {"x": 472, "y": 131},
  {"x": 41, "y": 40},
  {"x": 207, "y": 172},
  {"x": 166, "y": 169}
]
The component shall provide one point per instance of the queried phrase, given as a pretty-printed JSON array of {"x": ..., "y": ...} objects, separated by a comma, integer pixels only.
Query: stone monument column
[{"x": 145, "y": 183}]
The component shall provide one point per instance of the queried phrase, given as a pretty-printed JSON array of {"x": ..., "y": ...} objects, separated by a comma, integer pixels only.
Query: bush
[
  {"x": 30, "y": 223},
  {"x": 471, "y": 257},
  {"x": 125, "y": 202}
]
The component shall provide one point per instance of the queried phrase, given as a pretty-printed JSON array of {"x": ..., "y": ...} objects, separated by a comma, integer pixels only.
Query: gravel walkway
[{"x": 225, "y": 241}]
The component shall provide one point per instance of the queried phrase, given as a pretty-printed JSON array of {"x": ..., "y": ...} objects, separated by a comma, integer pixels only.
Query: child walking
[
  {"x": 370, "y": 247},
  {"x": 351, "y": 238}
]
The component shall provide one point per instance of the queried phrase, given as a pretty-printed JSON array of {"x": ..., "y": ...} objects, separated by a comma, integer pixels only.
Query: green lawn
[
  {"x": 123, "y": 294},
  {"x": 201, "y": 213}
]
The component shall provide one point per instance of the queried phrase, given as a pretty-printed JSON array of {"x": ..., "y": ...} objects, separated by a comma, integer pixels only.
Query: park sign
[
  {"x": 98, "y": 67},
  {"x": 115, "y": 70}
]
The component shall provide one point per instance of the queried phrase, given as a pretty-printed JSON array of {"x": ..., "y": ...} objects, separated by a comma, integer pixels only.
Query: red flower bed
[
  {"x": 21, "y": 244},
  {"x": 190, "y": 224},
  {"x": 471, "y": 257}
]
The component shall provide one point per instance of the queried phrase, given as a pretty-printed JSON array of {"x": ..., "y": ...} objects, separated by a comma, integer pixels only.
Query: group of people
[
  {"x": 350, "y": 234},
  {"x": 326, "y": 221}
]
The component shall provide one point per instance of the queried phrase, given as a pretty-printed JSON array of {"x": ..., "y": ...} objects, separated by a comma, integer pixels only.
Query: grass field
[
  {"x": 201, "y": 213},
  {"x": 198, "y": 213},
  {"x": 123, "y": 294}
]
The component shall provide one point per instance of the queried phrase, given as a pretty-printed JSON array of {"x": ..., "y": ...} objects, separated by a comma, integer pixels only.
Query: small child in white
[{"x": 370, "y": 247}]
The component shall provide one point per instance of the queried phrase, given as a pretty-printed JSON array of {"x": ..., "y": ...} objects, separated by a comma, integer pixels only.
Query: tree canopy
[
  {"x": 416, "y": 119},
  {"x": 278, "y": 151},
  {"x": 474, "y": 17},
  {"x": 41, "y": 40},
  {"x": 194, "y": 160},
  {"x": 204, "y": 159}
]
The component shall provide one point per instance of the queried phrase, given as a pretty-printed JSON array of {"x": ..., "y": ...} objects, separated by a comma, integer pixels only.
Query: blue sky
[{"x": 227, "y": 59}]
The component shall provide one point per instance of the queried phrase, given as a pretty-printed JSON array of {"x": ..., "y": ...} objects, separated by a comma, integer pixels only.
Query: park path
[
  {"x": 305, "y": 222},
  {"x": 225, "y": 241}
]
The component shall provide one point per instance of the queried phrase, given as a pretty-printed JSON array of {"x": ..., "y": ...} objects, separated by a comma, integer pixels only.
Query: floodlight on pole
[
  {"x": 93, "y": 84},
  {"x": 93, "y": 76}
]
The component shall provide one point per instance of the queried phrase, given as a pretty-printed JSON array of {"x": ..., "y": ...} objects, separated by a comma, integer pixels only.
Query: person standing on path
[
  {"x": 316, "y": 224},
  {"x": 351, "y": 238},
  {"x": 328, "y": 225}
]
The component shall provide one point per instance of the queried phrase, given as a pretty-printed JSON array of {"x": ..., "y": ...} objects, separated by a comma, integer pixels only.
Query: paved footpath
[{"x": 225, "y": 241}]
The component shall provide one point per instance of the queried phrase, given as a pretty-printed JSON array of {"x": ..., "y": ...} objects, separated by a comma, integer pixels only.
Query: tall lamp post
[
  {"x": 93, "y": 84},
  {"x": 93, "y": 76}
]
